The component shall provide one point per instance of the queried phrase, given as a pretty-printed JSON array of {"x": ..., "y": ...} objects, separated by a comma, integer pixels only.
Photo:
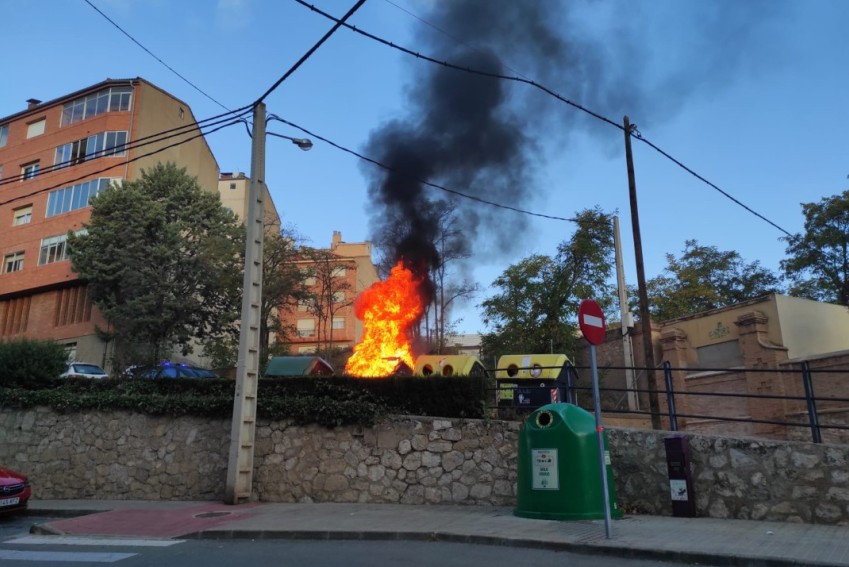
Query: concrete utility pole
[
  {"x": 243, "y": 429},
  {"x": 645, "y": 320},
  {"x": 627, "y": 320}
]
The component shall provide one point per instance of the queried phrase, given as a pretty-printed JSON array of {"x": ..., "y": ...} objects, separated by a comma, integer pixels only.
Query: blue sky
[{"x": 751, "y": 95}]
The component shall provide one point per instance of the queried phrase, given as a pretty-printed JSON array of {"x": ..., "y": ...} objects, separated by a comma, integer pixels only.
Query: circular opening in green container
[{"x": 544, "y": 419}]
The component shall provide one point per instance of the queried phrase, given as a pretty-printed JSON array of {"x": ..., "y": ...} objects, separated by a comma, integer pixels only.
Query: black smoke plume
[{"x": 482, "y": 136}]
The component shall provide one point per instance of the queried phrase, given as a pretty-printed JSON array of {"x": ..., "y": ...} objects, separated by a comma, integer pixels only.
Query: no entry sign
[{"x": 591, "y": 321}]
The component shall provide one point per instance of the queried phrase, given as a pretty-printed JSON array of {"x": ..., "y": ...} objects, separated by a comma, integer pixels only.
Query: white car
[{"x": 83, "y": 370}]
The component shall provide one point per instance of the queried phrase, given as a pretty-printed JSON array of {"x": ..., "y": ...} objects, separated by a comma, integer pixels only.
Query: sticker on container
[
  {"x": 679, "y": 490},
  {"x": 607, "y": 458},
  {"x": 544, "y": 468}
]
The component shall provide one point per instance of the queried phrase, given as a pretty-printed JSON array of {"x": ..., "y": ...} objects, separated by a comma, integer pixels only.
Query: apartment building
[
  {"x": 233, "y": 188},
  {"x": 353, "y": 271},
  {"x": 54, "y": 157}
]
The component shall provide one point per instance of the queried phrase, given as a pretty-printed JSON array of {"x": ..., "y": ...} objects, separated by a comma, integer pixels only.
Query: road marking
[
  {"x": 98, "y": 541},
  {"x": 63, "y": 556},
  {"x": 593, "y": 321}
]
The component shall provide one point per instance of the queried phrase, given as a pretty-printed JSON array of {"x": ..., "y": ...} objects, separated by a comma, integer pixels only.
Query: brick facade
[
  {"x": 42, "y": 297},
  {"x": 732, "y": 353}
]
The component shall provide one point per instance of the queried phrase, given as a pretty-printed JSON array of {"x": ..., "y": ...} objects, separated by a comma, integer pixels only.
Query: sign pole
[
  {"x": 591, "y": 322},
  {"x": 608, "y": 528}
]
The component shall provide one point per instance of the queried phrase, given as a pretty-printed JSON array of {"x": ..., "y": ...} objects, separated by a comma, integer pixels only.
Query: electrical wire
[
  {"x": 68, "y": 182},
  {"x": 544, "y": 89},
  {"x": 149, "y": 52},
  {"x": 308, "y": 54},
  {"x": 144, "y": 141},
  {"x": 705, "y": 181},
  {"x": 423, "y": 182}
]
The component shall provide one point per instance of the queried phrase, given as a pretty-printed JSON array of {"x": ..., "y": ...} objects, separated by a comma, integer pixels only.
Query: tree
[
  {"x": 452, "y": 246},
  {"x": 329, "y": 294},
  {"x": 162, "y": 260},
  {"x": 446, "y": 235},
  {"x": 282, "y": 288},
  {"x": 535, "y": 308},
  {"x": 818, "y": 263},
  {"x": 706, "y": 278}
]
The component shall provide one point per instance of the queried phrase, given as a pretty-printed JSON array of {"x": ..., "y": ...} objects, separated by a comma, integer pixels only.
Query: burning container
[{"x": 449, "y": 365}]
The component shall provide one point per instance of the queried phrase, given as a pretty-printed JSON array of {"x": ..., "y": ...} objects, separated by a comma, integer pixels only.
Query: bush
[
  {"x": 30, "y": 363},
  {"x": 327, "y": 401}
]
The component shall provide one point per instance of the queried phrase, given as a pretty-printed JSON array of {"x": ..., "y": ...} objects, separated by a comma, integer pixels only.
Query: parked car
[
  {"x": 171, "y": 370},
  {"x": 15, "y": 491},
  {"x": 84, "y": 370}
]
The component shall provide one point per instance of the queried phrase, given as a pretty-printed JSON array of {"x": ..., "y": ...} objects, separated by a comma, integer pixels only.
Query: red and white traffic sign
[{"x": 591, "y": 321}]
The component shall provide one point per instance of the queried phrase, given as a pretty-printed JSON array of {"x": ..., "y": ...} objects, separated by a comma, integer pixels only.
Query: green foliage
[
  {"x": 818, "y": 263},
  {"x": 534, "y": 309},
  {"x": 282, "y": 288},
  {"x": 329, "y": 402},
  {"x": 706, "y": 278},
  {"x": 31, "y": 363},
  {"x": 162, "y": 260}
]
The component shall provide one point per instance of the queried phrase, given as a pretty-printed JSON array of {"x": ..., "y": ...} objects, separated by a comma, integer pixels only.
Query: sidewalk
[{"x": 703, "y": 540}]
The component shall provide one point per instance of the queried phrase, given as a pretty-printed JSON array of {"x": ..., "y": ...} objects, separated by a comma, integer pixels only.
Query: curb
[{"x": 580, "y": 548}]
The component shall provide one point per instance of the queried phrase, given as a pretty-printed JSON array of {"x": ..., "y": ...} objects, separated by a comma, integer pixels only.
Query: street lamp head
[{"x": 303, "y": 143}]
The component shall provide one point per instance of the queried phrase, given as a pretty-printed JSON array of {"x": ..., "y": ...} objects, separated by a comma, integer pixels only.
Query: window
[
  {"x": 306, "y": 327},
  {"x": 13, "y": 262},
  {"x": 35, "y": 128},
  {"x": 53, "y": 249},
  {"x": 71, "y": 351},
  {"x": 110, "y": 144},
  {"x": 339, "y": 271},
  {"x": 232, "y": 186},
  {"x": 309, "y": 277},
  {"x": 182, "y": 113},
  {"x": 114, "y": 99},
  {"x": 303, "y": 305},
  {"x": 338, "y": 322},
  {"x": 4, "y": 135},
  {"x": 29, "y": 170},
  {"x": 75, "y": 197},
  {"x": 338, "y": 297},
  {"x": 306, "y": 350},
  {"x": 22, "y": 215}
]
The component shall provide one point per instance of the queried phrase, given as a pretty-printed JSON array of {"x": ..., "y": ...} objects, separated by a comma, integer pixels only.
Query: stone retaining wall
[{"x": 411, "y": 460}]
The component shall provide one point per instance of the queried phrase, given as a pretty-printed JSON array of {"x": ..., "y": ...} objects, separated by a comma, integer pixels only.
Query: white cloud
[{"x": 232, "y": 14}]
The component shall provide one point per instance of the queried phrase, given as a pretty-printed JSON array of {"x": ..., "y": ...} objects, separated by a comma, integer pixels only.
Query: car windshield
[{"x": 87, "y": 369}]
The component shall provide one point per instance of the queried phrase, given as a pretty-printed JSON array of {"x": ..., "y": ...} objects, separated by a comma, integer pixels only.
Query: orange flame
[{"x": 389, "y": 310}]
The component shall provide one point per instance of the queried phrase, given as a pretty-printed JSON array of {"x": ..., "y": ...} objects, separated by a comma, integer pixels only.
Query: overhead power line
[
  {"x": 422, "y": 181},
  {"x": 67, "y": 182},
  {"x": 308, "y": 54},
  {"x": 149, "y": 52},
  {"x": 146, "y": 140},
  {"x": 546, "y": 90}
]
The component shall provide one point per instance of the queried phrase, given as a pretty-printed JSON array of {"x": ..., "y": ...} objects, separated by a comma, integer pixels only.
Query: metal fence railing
[{"x": 764, "y": 398}]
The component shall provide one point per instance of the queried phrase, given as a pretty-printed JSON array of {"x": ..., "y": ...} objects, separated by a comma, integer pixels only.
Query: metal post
[
  {"x": 602, "y": 453},
  {"x": 813, "y": 418},
  {"x": 625, "y": 316},
  {"x": 571, "y": 395},
  {"x": 243, "y": 428},
  {"x": 645, "y": 318},
  {"x": 670, "y": 396}
]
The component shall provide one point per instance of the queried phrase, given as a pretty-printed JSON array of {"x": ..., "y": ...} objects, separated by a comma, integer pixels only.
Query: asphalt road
[{"x": 20, "y": 549}]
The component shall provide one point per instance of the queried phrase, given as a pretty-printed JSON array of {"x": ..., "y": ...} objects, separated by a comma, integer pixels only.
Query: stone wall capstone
[{"x": 410, "y": 460}]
